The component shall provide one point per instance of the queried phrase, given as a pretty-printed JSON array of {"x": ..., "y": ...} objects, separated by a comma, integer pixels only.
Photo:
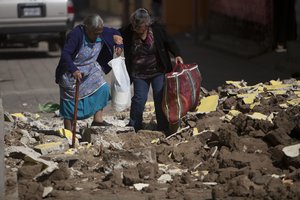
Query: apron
[{"x": 86, "y": 62}]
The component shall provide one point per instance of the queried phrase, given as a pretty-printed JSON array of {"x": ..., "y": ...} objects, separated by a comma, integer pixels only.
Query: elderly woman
[
  {"x": 87, "y": 50},
  {"x": 146, "y": 49}
]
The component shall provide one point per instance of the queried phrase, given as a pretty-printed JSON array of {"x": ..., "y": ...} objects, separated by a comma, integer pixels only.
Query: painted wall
[
  {"x": 258, "y": 11},
  {"x": 178, "y": 16}
]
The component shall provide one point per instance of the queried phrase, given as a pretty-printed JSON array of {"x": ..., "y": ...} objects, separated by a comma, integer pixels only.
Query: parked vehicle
[{"x": 31, "y": 21}]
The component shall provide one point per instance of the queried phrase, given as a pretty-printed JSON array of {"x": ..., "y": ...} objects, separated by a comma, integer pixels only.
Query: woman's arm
[{"x": 70, "y": 48}]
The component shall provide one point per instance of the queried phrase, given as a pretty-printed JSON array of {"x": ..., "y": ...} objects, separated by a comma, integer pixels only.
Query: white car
[{"x": 30, "y": 21}]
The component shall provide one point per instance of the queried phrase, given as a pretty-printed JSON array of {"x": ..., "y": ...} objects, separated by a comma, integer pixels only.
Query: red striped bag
[{"x": 181, "y": 91}]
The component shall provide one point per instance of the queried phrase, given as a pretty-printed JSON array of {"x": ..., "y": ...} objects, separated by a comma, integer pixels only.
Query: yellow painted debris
[
  {"x": 273, "y": 82},
  {"x": 248, "y": 98},
  {"x": 294, "y": 102},
  {"x": 155, "y": 141},
  {"x": 208, "y": 104},
  {"x": 278, "y": 87},
  {"x": 260, "y": 116},
  {"x": 195, "y": 131},
  {"x": 236, "y": 84},
  {"x": 149, "y": 106},
  {"x": 232, "y": 113},
  {"x": 18, "y": 115},
  {"x": 254, "y": 104},
  {"x": 36, "y": 116},
  {"x": 283, "y": 105},
  {"x": 49, "y": 147},
  {"x": 260, "y": 89},
  {"x": 67, "y": 134},
  {"x": 297, "y": 93},
  {"x": 71, "y": 151},
  {"x": 278, "y": 92},
  {"x": 84, "y": 145}
]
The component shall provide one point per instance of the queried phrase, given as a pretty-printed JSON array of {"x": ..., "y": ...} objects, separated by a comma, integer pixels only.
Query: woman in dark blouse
[{"x": 146, "y": 48}]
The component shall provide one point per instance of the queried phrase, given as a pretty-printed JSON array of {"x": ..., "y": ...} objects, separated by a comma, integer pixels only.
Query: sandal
[{"x": 103, "y": 123}]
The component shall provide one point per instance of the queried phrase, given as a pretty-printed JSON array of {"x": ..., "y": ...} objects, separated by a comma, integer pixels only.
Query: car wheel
[
  {"x": 52, "y": 46},
  {"x": 62, "y": 39}
]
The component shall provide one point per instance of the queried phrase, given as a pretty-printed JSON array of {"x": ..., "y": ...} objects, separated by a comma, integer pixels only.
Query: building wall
[
  {"x": 178, "y": 16},
  {"x": 257, "y": 11},
  {"x": 298, "y": 18},
  {"x": 246, "y": 19},
  {"x": 117, "y": 6}
]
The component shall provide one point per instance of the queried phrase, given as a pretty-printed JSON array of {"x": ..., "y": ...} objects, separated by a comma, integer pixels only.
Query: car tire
[
  {"x": 52, "y": 46},
  {"x": 62, "y": 39}
]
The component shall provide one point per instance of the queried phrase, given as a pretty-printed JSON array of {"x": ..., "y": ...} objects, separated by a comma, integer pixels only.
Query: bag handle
[
  {"x": 178, "y": 66},
  {"x": 181, "y": 66}
]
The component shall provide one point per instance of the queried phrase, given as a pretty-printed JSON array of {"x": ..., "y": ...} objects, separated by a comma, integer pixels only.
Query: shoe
[
  {"x": 280, "y": 49},
  {"x": 103, "y": 123}
]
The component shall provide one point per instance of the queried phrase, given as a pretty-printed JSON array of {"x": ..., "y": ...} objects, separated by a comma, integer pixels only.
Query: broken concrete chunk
[
  {"x": 140, "y": 186},
  {"x": 50, "y": 147},
  {"x": 34, "y": 156},
  {"x": 47, "y": 191},
  {"x": 8, "y": 117},
  {"x": 164, "y": 178},
  {"x": 292, "y": 150}
]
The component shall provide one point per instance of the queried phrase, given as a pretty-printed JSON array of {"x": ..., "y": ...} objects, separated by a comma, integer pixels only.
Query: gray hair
[
  {"x": 140, "y": 16},
  {"x": 93, "y": 21}
]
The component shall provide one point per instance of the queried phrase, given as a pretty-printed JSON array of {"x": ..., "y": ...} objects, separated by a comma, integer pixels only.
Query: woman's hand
[
  {"x": 118, "y": 51},
  {"x": 118, "y": 39},
  {"x": 77, "y": 75},
  {"x": 178, "y": 59}
]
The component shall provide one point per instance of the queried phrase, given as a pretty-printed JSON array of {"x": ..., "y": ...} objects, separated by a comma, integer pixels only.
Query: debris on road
[{"x": 245, "y": 144}]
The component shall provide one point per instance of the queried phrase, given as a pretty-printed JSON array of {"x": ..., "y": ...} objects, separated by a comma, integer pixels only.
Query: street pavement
[{"x": 27, "y": 74}]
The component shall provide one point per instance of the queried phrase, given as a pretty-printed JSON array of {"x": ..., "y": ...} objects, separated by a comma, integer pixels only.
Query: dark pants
[
  {"x": 141, "y": 88},
  {"x": 285, "y": 25}
]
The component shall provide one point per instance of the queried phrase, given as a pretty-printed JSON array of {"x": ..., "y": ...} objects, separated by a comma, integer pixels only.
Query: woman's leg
[
  {"x": 68, "y": 124},
  {"x": 98, "y": 117},
  {"x": 158, "y": 87},
  {"x": 138, "y": 101}
]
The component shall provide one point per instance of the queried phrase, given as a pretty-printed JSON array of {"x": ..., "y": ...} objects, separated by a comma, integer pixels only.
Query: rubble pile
[{"x": 242, "y": 142}]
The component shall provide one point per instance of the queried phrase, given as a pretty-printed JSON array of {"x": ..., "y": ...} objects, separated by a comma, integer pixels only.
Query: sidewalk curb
[{"x": 2, "y": 166}]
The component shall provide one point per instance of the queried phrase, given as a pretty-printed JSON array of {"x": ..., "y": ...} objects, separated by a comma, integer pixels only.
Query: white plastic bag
[{"x": 120, "y": 84}]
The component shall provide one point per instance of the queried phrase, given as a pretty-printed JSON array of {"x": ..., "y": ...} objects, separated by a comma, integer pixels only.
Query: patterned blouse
[{"x": 145, "y": 59}]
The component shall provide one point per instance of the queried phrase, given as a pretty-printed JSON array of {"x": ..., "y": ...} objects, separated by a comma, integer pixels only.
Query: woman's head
[
  {"x": 140, "y": 20},
  {"x": 93, "y": 26}
]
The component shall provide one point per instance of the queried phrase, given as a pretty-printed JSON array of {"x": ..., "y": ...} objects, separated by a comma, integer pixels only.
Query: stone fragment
[
  {"x": 51, "y": 147},
  {"x": 164, "y": 178}
]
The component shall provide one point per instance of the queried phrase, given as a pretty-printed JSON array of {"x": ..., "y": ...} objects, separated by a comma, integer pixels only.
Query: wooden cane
[{"x": 75, "y": 113}]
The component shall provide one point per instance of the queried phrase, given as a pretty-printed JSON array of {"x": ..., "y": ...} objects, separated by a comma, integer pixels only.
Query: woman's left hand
[
  {"x": 178, "y": 59},
  {"x": 118, "y": 51}
]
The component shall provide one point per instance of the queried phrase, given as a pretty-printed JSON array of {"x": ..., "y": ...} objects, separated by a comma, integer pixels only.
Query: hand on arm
[{"x": 119, "y": 41}]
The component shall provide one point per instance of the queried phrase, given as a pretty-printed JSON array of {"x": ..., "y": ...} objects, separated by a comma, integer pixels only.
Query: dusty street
[{"x": 245, "y": 147}]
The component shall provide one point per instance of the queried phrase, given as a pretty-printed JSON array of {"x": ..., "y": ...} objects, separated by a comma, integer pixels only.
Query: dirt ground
[{"x": 242, "y": 149}]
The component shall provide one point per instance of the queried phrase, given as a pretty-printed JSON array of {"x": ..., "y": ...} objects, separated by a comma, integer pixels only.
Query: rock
[{"x": 164, "y": 178}]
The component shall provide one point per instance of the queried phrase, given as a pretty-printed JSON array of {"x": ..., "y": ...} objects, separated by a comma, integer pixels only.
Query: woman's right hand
[{"x": 77, "y": 75}]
